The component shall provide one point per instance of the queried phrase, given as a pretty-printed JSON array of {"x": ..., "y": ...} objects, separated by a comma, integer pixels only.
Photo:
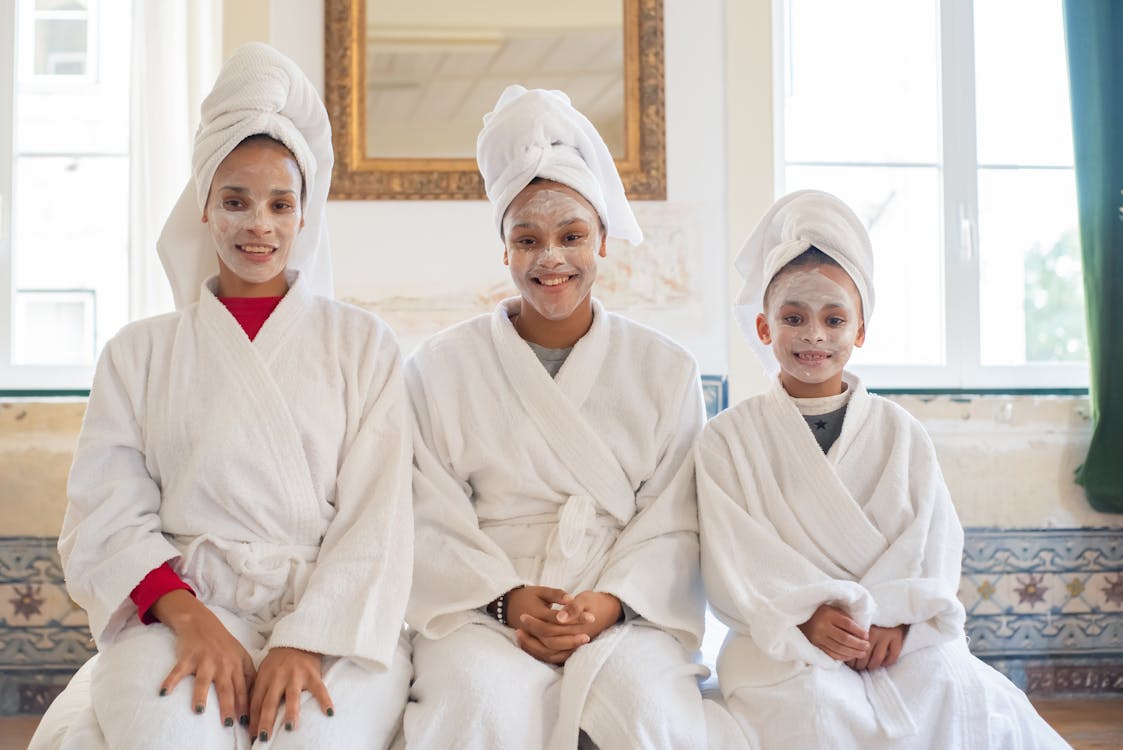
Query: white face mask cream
[
  {"x": 813, "y": 323},
  {"x": 551, "y": 239},
  {"x": 254, "y": 211}
]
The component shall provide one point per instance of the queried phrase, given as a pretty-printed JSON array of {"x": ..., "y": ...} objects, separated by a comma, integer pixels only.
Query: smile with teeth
[
  {"x": 257, "y": 249},
  {"x": 553, "y": 280},
  {"x": 812, "y": 356}
]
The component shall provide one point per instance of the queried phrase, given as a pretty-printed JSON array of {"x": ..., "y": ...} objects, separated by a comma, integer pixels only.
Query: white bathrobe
[
  {"x": 273, "y": 474},
  {"x": 870, "y": 528},
  {"x": 581, "y": 482}
]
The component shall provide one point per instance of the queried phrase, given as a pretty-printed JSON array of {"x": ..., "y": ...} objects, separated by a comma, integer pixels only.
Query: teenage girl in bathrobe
[
  {"x": 830, "y": 545},
  {"x": 556, "y": 585},
  {"x": 239, "y": 527}
]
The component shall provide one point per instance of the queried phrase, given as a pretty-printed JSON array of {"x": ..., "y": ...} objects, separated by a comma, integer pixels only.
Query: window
[
  {"x": 64, "y": 185},
  {"x": 945, "y": 124}
]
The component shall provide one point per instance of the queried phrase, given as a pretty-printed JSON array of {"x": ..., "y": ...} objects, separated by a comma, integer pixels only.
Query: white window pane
[
  {"x": 60, "y": 47},
  {"x": 54, "y": 327},
  {"x": 862, "y": 81},
  {"x": 70, "y": 231},
  {"x": 1031, "y": 293},
  {"x": 70, "y": 114},
  {"x": 901, "y": 209},
  {"x": 1021, "y": 82}
]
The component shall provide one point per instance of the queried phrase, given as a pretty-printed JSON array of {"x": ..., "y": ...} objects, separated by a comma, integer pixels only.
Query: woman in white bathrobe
[
  {"x": 239, "y": 526},
  {"x": 556, "y": 585},
  {"x": 830, "y": 545}
]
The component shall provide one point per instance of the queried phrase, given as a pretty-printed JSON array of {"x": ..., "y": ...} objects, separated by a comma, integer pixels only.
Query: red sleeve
[{"x": 158, "y": 582}]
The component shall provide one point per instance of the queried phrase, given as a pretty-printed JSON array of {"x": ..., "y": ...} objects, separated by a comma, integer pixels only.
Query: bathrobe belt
[
  {"x": 888, "y": 705},
  {"x": 257, "y": 578},
  {"x": 572, "y": 523}
]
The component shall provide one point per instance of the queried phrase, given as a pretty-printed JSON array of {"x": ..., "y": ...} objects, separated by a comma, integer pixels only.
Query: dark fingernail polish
[
  {"x": 330, "y": 711},
  {"x": 244, "y": 720},
  {"x": 163, "y": 692},
  {"x": 199, "y": 708},
  {"x": 263, "y": 737},
  {"x": 288, "y": 726},
  {"x": 228, "y": 721}
]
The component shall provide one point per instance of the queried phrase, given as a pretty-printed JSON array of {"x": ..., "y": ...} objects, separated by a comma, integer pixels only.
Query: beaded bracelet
[
  {"x": 498, "y": 607},
  {"x": 501, "y": 609}
]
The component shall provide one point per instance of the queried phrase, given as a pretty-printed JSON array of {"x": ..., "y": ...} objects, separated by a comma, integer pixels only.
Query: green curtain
[{"x": 1094, "y": 37}]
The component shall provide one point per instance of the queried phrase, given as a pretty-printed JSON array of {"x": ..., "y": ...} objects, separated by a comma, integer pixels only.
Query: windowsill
[
  {"x": 966, "y": 392},
  {"x": 33, "y": 394}
]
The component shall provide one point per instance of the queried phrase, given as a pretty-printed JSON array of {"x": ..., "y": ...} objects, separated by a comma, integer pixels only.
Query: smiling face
[
  {"x": 551, "y": 237},
  {"x": 813, "y": 321},
  {"x": 254, "y": 215}
]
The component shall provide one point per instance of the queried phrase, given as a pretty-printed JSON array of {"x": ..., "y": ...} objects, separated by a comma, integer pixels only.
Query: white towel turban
[
  {"x": 538, "y": 133},
  {"x": 793, "y": 224},
  {"x": 258, "y": 90}
]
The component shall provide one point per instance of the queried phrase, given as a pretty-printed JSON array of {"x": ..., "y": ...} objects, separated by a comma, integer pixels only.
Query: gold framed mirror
[{"x": 375, "y": 51}]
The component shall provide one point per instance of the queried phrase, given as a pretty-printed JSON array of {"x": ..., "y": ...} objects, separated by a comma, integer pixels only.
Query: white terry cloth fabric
[
  {"x": 258, "y": 90},
  {"x": 273, "y": 474},
  {"x": 870, "y": 528},
  {"x": 538, "y": 133},
  {"x": 249, "y": 465},
  {"x": 74, "y": 722},
  {"x": 793, "y": 224},
  {"x": 581, "y": 482}
]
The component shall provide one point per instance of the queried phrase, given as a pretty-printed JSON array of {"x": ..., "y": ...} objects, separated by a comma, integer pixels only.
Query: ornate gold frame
[{"x": 358, "y": 177}]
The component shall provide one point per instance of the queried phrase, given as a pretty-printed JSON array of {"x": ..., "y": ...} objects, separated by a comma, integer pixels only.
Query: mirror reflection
[{"x": 435, "y": 67}]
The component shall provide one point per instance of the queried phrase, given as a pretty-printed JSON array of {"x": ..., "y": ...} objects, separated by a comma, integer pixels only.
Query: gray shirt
[{"x": 551, "y": 359}]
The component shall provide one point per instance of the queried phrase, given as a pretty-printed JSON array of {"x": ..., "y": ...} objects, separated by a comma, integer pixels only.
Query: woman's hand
[
  {"x": 834, "y": 633},
  {"x": 284, "y": 674},
  {"x": 552, "y": 635},
  {"x": 206, "y": 649},
  {"x": 593, "y": 611},
  {"x": 530, "y": 610},
  {"x": 885, "y": 648}
]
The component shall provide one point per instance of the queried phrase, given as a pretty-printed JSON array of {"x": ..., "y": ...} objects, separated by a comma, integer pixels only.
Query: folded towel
[
  {"x": 258, "y": 90},
  {"x": 538, "y": 133}
]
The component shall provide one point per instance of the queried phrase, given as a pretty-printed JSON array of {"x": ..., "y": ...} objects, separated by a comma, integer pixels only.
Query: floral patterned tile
[{"x": 1045, "y": 606}]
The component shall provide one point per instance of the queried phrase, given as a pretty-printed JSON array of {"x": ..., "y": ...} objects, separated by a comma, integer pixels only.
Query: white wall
[{"x": 453, "y": 245}]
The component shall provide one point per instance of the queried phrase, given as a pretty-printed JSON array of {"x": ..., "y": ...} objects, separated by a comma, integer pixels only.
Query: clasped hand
[
  {"x": 836, "y": 634},
  {"x": 207, "y": 650},
  {"x": 551, "y": 634}
]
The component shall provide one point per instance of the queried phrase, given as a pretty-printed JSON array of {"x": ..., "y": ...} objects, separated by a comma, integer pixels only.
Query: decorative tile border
[
  {"x": 1044, "y": 606},
  {"x": 1044, "y": 591},
  {"x": 44, "y": 636}
]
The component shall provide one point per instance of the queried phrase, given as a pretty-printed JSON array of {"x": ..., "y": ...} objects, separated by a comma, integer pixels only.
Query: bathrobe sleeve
[
  {"x": 354, "y": 603},
  {"x": 111, "y": 535},
  {"x": 921, "y": 590},
  {"x": 757, "y": 584},
  {"x": 461, "y": 568},
  {"x": 653, "y": 566}
]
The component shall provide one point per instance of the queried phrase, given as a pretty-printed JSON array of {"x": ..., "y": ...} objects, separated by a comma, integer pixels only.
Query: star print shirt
[{"x": 824, "y": 416}]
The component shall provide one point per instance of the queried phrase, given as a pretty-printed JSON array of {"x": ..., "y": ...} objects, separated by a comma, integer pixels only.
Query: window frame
[
  {"x": 957, "y": 171},
  {"x": 32, "y": 379},
  {"x": 91, "y": 15}
]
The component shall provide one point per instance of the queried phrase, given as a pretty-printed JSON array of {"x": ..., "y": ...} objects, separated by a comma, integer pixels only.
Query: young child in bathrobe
[
  {"x": 556, "y": 585},
  {"x": 830, "y": 545},
  {"x": 239, "y": 526}
]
